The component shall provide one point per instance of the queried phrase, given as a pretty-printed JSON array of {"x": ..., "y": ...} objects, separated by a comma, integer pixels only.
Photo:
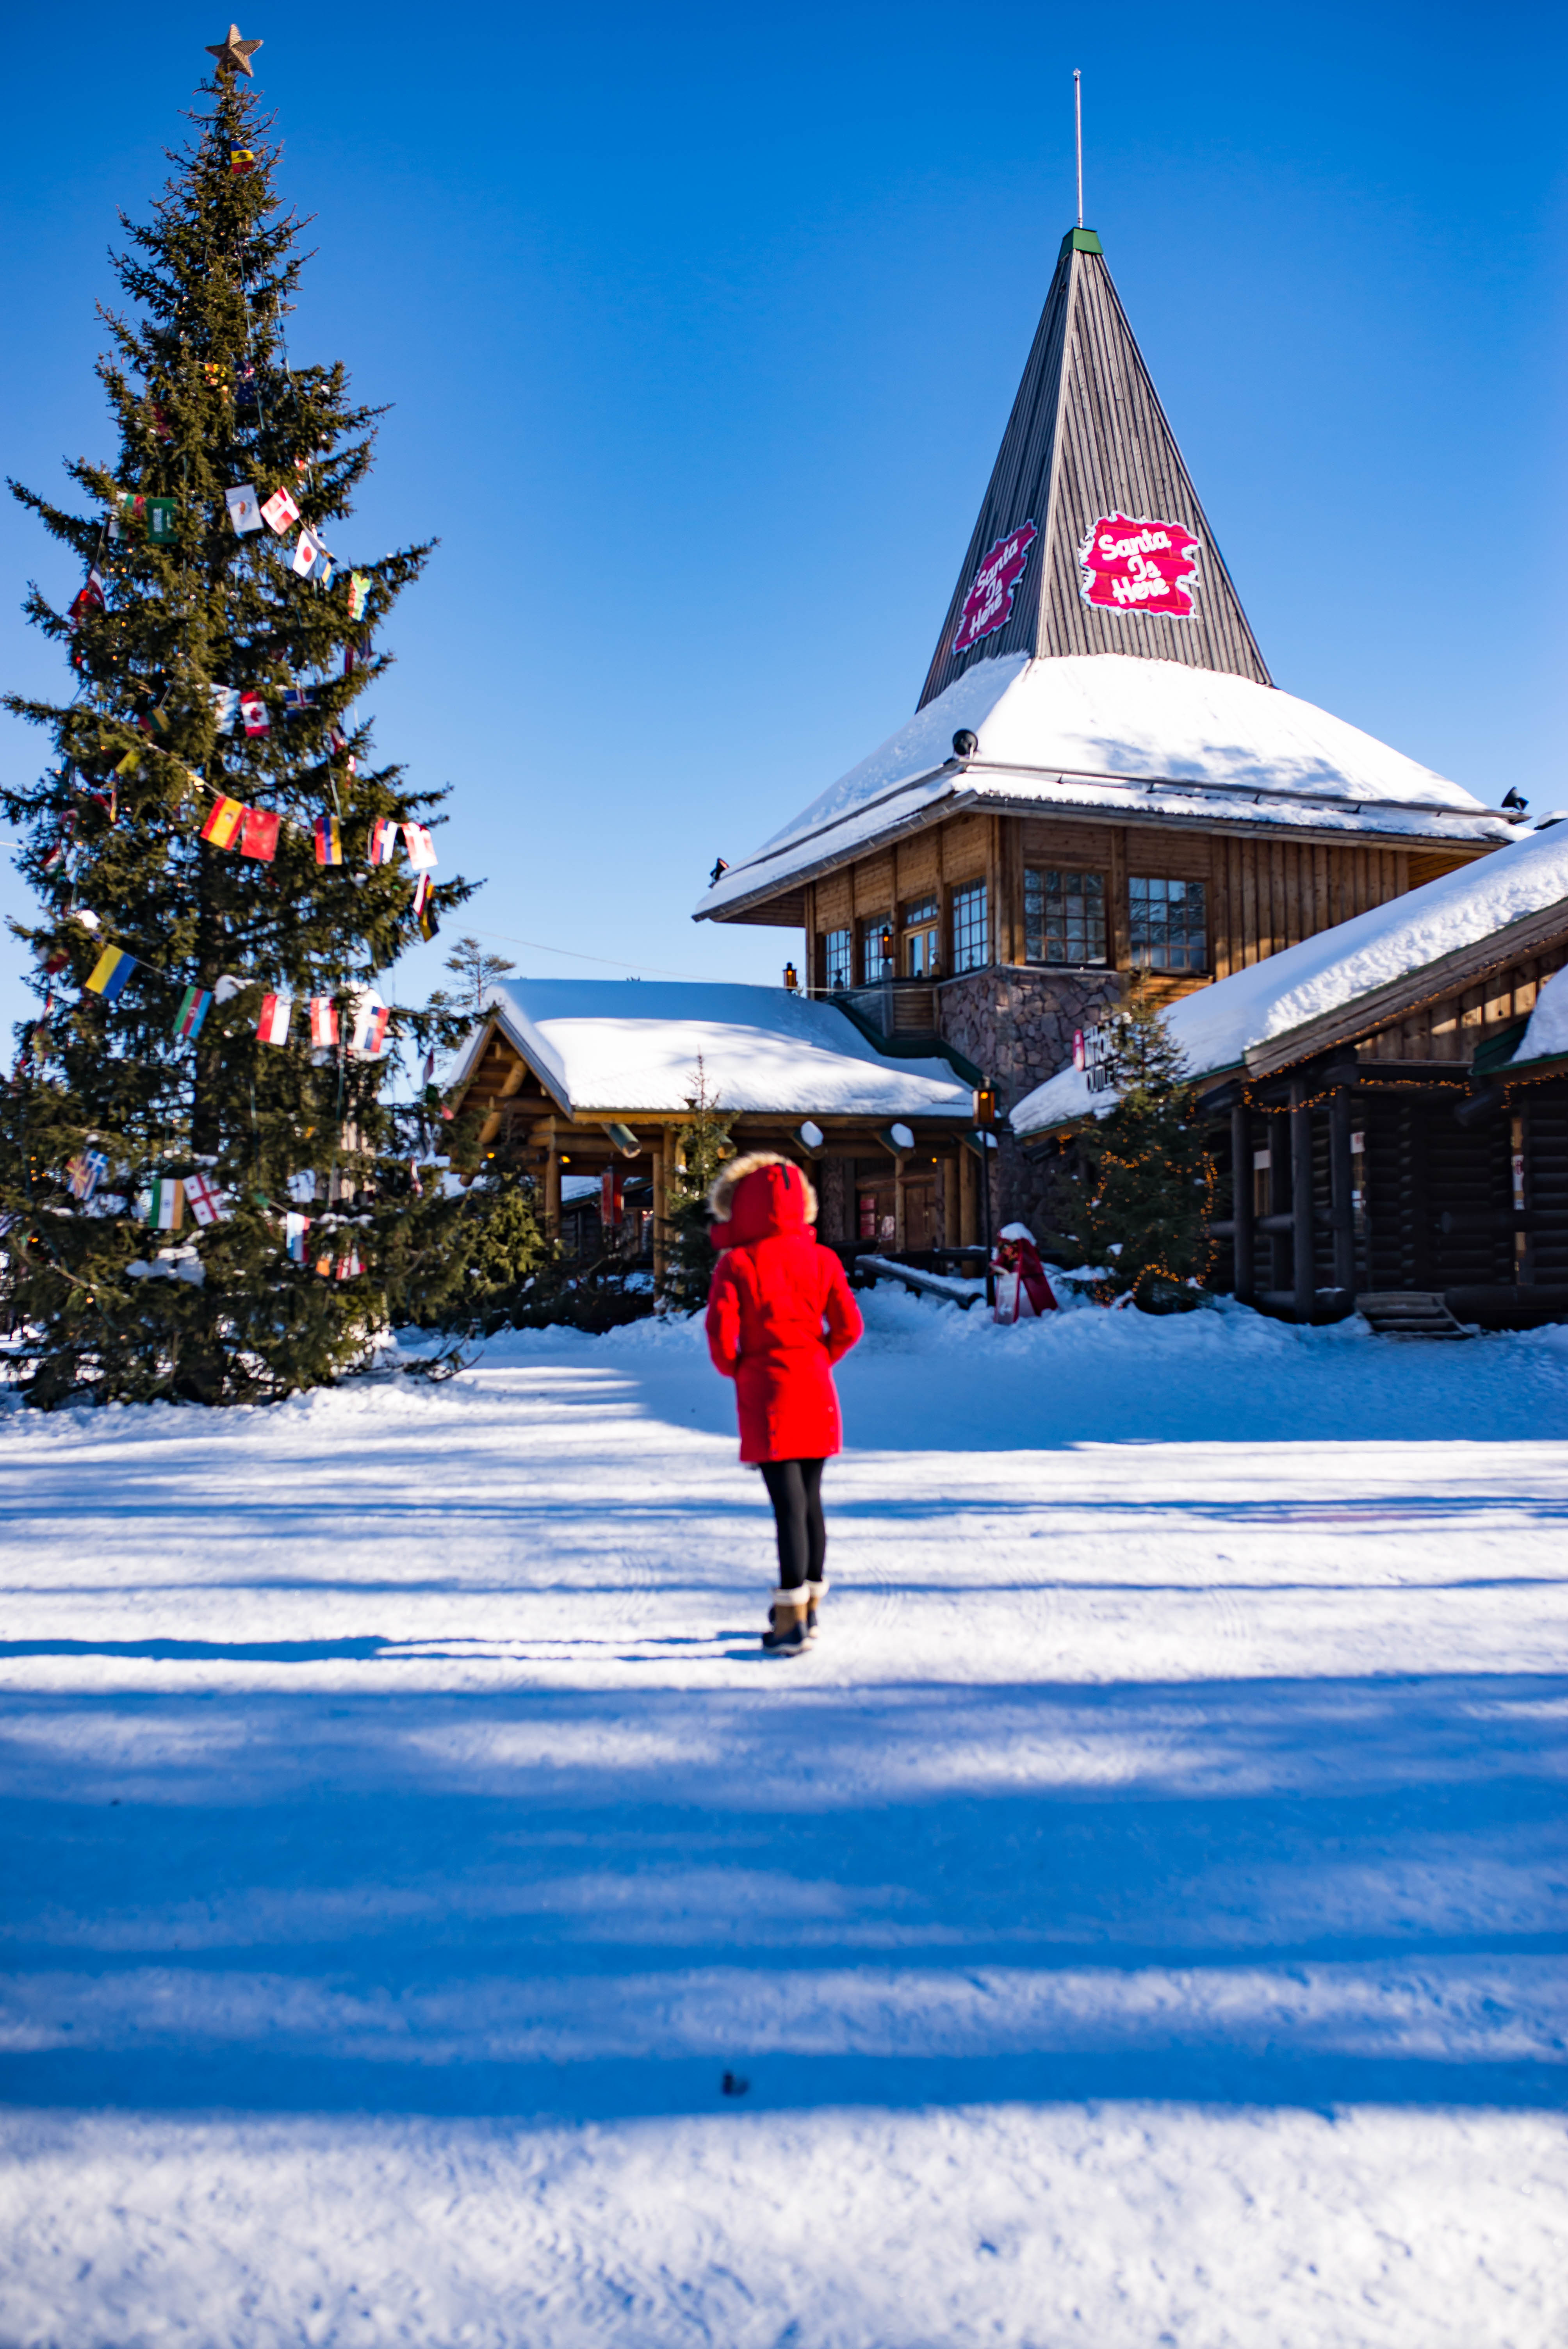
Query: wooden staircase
[{"x": 1408, "y": 1313}]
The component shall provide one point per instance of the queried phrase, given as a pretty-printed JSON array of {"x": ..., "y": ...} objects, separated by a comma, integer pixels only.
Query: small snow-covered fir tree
[
  {"x": 1145, "y": 1178},
  {"x": 136, "y": 847},
  {"x": 701, "y": 1146}
]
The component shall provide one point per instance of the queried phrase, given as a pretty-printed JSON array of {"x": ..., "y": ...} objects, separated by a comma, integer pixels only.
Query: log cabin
[
  {"x": 1101, "y": 776},
  {"x": 1388, "y": 1107},
  {"x": 595, "y": 1078}
]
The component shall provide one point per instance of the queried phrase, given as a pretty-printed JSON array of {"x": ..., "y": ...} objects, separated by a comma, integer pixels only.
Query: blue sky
[{"x": 700, "y": 329}]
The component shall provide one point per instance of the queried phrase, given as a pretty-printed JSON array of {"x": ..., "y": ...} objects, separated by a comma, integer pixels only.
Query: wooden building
[
  {"x": 1101, "y": 775},
  {"x": 595, "y": 1078},
  {"x": 1390, "y": 1106}
]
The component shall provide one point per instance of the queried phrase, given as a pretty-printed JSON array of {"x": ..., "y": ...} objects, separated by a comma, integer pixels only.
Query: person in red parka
[{"x": 779, "y": 1315}]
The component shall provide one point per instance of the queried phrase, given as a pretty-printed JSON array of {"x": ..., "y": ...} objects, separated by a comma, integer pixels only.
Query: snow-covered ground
[{"x": 1139, "y": 1921}]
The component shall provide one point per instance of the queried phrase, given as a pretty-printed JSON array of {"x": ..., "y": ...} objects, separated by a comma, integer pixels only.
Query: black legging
[{"x": 795, "y": 1489}]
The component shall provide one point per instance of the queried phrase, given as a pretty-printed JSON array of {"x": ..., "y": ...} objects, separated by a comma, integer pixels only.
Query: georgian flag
[
  {"x": 420, "y": 847},
  {"x": 204, "y": 1199},
  {"x": 277, "y": 1011},
  {"x": 280, "y": 512}
]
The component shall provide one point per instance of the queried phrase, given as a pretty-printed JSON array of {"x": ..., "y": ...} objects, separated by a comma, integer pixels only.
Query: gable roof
[
  {"x": 1349, "y": 978},
  {"x": 1105, "y": 734},
  {"x": 609, "y": 1047},
  {"x": 1088, "y": 439}
]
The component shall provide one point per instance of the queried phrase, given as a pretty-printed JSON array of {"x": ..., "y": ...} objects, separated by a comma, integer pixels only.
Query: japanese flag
[{"x": 309, "y": 551}]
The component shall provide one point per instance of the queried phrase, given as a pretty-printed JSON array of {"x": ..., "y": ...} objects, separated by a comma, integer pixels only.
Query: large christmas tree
[{"x": 205, "y": 1190}]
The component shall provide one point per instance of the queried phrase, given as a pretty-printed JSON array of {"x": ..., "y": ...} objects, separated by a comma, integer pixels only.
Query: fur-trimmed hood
[{"x": 723, "y": 1196}]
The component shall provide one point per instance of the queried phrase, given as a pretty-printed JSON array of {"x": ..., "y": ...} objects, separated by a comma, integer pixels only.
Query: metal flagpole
[{"x": 1077, "y": 122}]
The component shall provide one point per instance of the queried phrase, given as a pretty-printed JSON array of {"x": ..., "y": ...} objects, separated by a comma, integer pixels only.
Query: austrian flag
[
  {"x": 322, "y": 1020},
  {"x": 277, "y": 1011}
]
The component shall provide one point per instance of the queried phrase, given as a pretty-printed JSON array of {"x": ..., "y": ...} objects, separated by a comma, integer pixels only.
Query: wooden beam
[
  {"x": 1244, "y": 1282},
  {"x": 1306, "y": 1280},
  {"x": 1341, "y": 1182}
]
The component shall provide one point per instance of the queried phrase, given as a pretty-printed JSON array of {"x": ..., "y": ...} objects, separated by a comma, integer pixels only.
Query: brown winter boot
[
  {"x": 787, "y": 1620},
  {"x": 815, "y": 1594}
]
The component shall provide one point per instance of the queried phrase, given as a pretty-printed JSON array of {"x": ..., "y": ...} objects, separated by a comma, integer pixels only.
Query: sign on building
[{"x": 1139, "y": 565}]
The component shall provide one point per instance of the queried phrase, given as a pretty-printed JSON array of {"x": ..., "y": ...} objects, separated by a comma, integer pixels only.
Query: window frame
[
  {"x": 1079, "y": 873},
  {"x": 965, "y": 960},
  {"x": 1187, "y": 967},
  {"x": 837, "y": 985}
]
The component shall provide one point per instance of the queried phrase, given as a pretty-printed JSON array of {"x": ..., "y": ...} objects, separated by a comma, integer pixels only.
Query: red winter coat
[{"x": 772, "y": 1290}]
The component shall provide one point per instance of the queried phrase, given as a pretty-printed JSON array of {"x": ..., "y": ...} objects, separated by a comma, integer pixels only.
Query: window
[
  {"x": 1064, "y": 916},
  {"x": 837, "y": 957},
  {"x": 1165, "y": 919},
  {"x": 971, "y": 928},
  {"x": 922, "y": 926},
  {"x": 876, "y": 951}
]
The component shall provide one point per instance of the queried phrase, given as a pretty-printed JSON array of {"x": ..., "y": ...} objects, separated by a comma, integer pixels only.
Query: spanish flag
[
  {"x": 223, "y": 822},
  {"x": 109, "y": 973}
]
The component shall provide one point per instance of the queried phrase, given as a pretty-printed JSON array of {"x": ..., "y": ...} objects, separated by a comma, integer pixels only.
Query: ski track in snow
[{"x": 1140, "y": 1921}]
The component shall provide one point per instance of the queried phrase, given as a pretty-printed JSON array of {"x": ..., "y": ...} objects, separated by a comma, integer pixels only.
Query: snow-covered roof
[
  {"x": 615, "y": 1046},
  {"x": 1105, "y": 732},
  {"x": 1218, "y": 1027}
]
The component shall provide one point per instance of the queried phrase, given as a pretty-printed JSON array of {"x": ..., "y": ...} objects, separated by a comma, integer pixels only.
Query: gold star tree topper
[{"x": 234, "y": 54}]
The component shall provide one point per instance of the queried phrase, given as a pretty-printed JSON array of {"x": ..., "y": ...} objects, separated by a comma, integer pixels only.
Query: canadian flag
[
  {"x": 204, "y": 1199},
  {"x": 253, "y": 711},
  {"x": 277, "y": 1011}
]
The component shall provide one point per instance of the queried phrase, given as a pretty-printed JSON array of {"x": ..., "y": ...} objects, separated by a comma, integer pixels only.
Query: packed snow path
[{"x": 1139, "y": 1920}]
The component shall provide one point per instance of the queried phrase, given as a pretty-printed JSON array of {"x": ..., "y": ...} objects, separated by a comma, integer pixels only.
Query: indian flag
[{"x": 167, "y": 1211}]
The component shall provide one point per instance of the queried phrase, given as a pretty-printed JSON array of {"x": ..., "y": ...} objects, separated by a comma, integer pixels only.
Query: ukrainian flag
[{"x": 109, "y": 973}]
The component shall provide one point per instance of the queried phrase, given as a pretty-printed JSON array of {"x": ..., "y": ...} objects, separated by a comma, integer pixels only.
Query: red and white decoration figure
[
  {"x": 1023, "y": 1292},
  {"x": 989, "y": 602},
  {"x": 1139, "y": 565}
]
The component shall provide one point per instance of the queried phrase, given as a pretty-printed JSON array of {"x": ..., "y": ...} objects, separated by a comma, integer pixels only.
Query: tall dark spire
[{"x": 1088, "y": 445}]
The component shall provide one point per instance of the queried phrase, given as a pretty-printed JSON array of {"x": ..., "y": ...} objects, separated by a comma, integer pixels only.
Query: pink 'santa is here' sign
[
  {"x": 991, "y": 593},
  {"x": 1131, "y": 566}
]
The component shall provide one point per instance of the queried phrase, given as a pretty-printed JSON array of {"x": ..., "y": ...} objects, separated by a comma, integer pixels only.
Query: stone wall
[{"x": 1017, "y": 1025}]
